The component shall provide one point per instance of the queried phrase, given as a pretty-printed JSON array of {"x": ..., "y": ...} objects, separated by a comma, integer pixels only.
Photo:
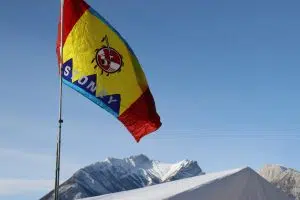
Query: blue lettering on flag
[
  {"x": 67, "y": 70},
  {"x": 86, "y": 85},
  {"x": 113, "y": 101}
]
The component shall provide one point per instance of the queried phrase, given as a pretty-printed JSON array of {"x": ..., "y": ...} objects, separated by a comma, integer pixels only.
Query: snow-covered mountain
[
  {"x": 284, "y": 178},
  {"x": 237, "y": 184},
  {"x": 114, "y": 175}
]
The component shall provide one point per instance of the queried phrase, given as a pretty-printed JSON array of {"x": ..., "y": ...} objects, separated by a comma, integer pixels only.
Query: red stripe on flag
[
  {"x": 141, "y": 118},
  {"x": 73, "y": 10}
]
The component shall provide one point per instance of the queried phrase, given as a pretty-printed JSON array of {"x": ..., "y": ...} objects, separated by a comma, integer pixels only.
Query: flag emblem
[{"x": 107, "y": 58}]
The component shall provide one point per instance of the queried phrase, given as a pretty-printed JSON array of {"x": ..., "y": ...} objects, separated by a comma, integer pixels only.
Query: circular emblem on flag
[{"x": 109, "y": 60}]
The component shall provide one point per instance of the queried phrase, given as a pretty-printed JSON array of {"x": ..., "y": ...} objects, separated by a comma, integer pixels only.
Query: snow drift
[{"x": 238, "y": 184}]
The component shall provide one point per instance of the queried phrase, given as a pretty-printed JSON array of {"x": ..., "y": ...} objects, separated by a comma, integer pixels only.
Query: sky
[{"x": 224, "y": 76}]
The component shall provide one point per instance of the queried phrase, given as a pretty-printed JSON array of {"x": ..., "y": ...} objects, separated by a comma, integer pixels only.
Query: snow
[
  {"x": 115, "y": 175},
  {"x": 162, "y": 171},
  {"x": 173, "y": 169},
  {"x": 237, "y": 184},
  {"x": 159, "y": 169}
]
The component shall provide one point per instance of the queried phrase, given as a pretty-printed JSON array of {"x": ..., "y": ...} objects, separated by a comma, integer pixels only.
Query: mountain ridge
[
  {"x": 236, "y": 184},
  {"x": 114, "y": 175},
  {"x": 287, "y": 179}
]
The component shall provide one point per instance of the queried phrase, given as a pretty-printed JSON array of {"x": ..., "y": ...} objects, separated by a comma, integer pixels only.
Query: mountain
[
  {"x": 114, "y": 175},
  {"x": 284, "y": 178},
  {"x": 237, "y": 184}
]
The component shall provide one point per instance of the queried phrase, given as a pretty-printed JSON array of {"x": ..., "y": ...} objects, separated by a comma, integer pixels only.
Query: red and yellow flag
[{"x": 98, "y": 63}]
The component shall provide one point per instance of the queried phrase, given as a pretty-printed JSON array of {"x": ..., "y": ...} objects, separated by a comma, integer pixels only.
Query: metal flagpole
[{"x": 60, "y": 121}]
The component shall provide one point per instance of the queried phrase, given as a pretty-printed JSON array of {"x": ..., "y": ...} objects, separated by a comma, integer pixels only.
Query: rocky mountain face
[
  {"x": 115, "y": 175},
  {"x": 284, "y": 178}
]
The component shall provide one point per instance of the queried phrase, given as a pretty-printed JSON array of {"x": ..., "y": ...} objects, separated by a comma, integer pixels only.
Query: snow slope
[
  {"x": 238, "y": 184},
  {"x": 284, "y": 178},
  {"x": 114, "y": 175}
]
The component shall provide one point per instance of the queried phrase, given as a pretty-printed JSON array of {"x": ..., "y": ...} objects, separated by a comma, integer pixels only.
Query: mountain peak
[
  {"x": 110, "y": 160},
  {"x": 139, "y": 159},
  {"x": 275, "y": 166},
  {"x": 284, "y": 178},
  {"x": 115, "y": 174},
  {"x": 271, "y": 171}
]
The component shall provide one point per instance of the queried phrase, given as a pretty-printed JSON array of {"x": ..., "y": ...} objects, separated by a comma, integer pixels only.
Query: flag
[{"x": 98, "y": 63}]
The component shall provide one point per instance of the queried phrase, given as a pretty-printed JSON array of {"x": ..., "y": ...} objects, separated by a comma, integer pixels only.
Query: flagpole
[{"x": 60, "y": 121}]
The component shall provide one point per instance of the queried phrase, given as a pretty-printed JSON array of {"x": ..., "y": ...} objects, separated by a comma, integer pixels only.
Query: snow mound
[{"x": 237, "y": 184}]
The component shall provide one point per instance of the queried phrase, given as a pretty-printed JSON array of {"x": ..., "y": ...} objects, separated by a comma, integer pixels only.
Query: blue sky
[{"x": 224, "y": 75}]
